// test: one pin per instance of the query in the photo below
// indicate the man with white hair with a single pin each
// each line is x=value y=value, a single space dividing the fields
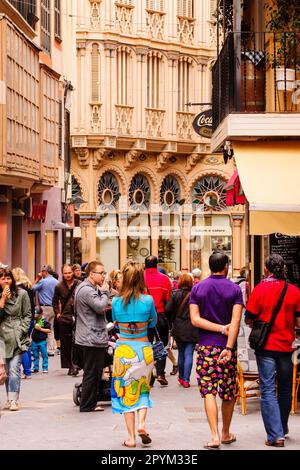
x=196 y=275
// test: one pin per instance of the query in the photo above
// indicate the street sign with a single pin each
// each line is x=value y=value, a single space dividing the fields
x=203 y=124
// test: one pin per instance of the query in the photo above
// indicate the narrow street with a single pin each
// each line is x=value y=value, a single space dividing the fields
x=48 y=418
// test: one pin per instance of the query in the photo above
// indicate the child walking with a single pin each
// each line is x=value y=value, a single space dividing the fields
x=39 y=341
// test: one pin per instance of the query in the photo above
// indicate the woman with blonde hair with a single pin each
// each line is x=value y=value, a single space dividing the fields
x=134 y=312
x=23 y=282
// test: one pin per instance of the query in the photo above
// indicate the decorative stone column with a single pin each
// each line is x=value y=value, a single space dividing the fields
x=81 y=49
x=236 y=243
x=110 y=76
x=186 y=226
x=154 y=225
x=141 y=102
x=85 y=241
x=123 y=222
x=172 y=97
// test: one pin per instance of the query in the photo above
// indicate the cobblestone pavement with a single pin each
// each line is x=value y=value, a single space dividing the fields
x=48 y=419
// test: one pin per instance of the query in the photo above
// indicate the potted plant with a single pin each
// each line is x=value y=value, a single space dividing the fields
x=284 y=22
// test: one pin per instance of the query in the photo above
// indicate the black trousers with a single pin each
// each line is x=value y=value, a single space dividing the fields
x=66 y=345
x=162 y=326
x=93 y=363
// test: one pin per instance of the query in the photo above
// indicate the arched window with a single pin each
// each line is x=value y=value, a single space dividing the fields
x=169 y=192
x=155 y=5
x=139 y=192
x=95 y=74
x=108 y=191
x=123 y=76
x=154 y=73
x=209 y=193
x=184 y=82
x=185 y=8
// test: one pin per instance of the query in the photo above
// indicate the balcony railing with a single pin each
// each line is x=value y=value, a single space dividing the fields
x=256 y=73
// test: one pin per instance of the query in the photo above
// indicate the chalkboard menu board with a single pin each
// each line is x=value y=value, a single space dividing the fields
x=289 y=249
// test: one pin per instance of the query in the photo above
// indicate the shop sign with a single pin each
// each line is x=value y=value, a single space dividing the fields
x=203 y=124
x=169 y=232
x=211 y=231
x=138 y=231
x=107 y=232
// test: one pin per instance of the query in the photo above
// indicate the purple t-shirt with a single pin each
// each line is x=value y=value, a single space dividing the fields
x=215 y=298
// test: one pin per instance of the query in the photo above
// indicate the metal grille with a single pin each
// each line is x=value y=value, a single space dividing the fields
x=108 y=190
x=169 y=192
x=139 y=192
x=252 y=65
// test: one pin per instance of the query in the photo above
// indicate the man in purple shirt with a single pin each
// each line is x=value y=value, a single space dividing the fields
x=216 y=309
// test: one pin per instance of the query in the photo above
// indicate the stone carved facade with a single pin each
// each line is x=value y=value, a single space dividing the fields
x=138 y=127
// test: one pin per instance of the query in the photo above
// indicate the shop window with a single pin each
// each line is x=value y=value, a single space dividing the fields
x=209 y=233
x=46 y=25
x=138 y=238
x=169 y=245
x=107 y=241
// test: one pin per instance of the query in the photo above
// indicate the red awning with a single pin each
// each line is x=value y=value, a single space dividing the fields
x=234 y=191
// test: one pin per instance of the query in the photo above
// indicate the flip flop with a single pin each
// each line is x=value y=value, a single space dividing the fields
x=211 y=446
x=146 y=439
x=231 y=440
x=130 y=446
x=98 y=408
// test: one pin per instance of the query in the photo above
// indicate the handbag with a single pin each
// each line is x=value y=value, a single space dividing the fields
x=261 y=329
x=159 y=351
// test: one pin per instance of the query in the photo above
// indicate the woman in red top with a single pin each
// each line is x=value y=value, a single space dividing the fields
x=275 y=359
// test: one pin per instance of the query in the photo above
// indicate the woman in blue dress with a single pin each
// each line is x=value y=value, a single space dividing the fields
x=134 y=313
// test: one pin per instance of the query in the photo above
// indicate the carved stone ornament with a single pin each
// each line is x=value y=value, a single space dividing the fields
x=192 y=161
x=131 y=158
x=100 y=155
x=163 y=160
x=83 y=156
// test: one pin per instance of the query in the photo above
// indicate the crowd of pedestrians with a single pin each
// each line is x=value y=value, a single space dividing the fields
x=70 y=316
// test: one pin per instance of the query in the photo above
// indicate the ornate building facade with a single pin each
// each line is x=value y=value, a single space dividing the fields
x=149 y=182
x=31 y=134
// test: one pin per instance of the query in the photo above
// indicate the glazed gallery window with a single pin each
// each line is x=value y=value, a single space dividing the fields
x=184 y=82
x=22 y=100
x=46 y=25
x=50 y=119
x=185 y=8
x=57 y=18
x=154 y=75
x=95 y=75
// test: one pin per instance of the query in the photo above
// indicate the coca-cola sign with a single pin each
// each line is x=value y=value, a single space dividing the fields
x=203 y=124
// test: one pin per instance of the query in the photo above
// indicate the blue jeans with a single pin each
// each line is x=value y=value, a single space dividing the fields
x=26 y=362
x=36 y=349
x=275 y=408
x=185 y=359
x=13 y=381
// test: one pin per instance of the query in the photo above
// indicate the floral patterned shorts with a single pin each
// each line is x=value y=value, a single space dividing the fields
x=216 y=378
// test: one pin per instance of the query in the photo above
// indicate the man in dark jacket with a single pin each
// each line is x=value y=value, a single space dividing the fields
x=63 y=306
x=160 y=288
x=91 y=337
